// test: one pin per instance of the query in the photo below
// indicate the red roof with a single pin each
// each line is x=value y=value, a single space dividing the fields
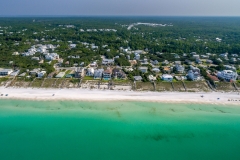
x=214 y=78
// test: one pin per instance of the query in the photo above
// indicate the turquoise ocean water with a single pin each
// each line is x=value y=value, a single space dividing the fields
x=68 y=130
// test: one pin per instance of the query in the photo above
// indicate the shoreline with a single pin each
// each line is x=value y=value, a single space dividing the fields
x=110 y=95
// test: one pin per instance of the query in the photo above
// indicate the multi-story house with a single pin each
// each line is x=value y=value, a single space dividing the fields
x=79 y=72
x=98 y=73
x=118 y=74
x=227 y=75
x=107 y=74
x=194 y=73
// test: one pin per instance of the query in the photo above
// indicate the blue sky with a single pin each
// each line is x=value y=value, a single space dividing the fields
x=121 y=7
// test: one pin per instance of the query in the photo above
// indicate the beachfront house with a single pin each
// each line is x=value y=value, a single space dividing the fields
x=5 y=72
x=194 y=73
x=90 y=72
x=98 y=73
x=137 y=78
x=213 y=77
x=14 y=73
x=167 y=77
x=152 y=78
x=79 y=72
x=107 y=74
x=117 y=73
x=50 y=75
x=34 y=72
x=41 y=74
x=227 y=75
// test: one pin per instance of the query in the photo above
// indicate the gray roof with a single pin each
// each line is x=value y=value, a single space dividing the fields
x=137 y=78
x=5 y=70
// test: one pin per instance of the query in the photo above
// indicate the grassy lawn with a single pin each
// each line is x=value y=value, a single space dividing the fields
x=122 y=82
x=37 y=83
x=238 y=85
x=224 y=86
x=74 y=81
x=88 y=78
x=3 y=80
x=163 y=86
x=49 y=82
x=196 y=86
x=178 y=86
x=59 y=83
x=21 y=82
x=146 y=86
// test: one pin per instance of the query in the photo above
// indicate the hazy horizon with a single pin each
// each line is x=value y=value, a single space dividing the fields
x=215 y=8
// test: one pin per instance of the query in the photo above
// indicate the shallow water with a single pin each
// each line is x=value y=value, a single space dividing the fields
x=117 y=130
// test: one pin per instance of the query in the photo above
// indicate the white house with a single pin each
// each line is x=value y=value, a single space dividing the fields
x=72 y=46
x=107 y=62
x=90 y=72
x=15 y=54
x=228 y=75
x=230 y=67
x=14 y=73
x=167 y=77
x=41 y=74
x=60 y=75
x=143 y=69
x=94 y=64
x=155 y=62
x=224 y=55
x=194 y=73
x=98 y=73
x=42 y=49
x=35 y=58
x=144 y=62
x=5 y=72
x=196 y=56
x=179 y=68
x=165 y=62
x=137 y=56
x=156 y=70
x=51 y=56
x=152 y=78
x=137 y=78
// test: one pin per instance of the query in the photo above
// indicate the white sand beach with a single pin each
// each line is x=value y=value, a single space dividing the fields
x=109 y=95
